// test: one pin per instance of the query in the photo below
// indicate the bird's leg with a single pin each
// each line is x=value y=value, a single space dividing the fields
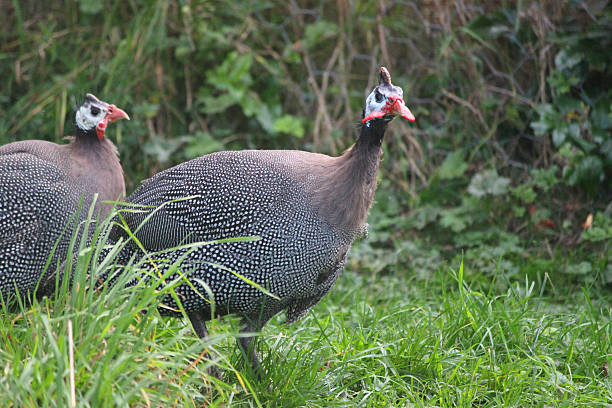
x=199 y=326
x=247 y=346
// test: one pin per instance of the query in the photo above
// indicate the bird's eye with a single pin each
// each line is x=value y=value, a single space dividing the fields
x=95 y=110
x=378 y=96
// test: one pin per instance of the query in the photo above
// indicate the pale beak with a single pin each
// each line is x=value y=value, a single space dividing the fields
x=114 y=114
x=399 y=108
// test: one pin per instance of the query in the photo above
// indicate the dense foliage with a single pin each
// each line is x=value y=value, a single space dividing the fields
x=511 y=153
x=507 y=170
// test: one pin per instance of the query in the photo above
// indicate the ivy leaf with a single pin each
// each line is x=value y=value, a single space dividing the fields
x=601 y=116
x=565 y=59
x=559 y=134
x=589 y=170
x=546 y=119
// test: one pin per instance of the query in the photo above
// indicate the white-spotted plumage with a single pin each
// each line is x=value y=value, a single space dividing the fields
x=307 y=209
x=41 y=188
x=238 y=194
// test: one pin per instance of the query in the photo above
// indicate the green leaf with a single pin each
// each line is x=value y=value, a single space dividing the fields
x=162 y=148
x=290 y=125
x=250 y=104
x=583 y=268
x=525 y=193
x=212 y=104
x=147 y=110
x=455 y=219
x=202 y=143
x=546 y=119
x=540 y=127
x=601 y=116
x=607 y=275
x=518 y=211
x=606 y=150
x=588 y=170
x=233 y=74
x=423 y=216
x=453 y=165
x=91 y=6
x=545 y=179
x=562 y=82
x=601 y=230
x=559 y=134
x=264 y=117
x=488 y=182
x=317 y=32
x=566 y=59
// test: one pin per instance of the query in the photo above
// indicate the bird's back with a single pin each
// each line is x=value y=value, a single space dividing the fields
x=239 y=194
x=35 y=207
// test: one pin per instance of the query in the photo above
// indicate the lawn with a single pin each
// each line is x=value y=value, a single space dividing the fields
x=450 y=337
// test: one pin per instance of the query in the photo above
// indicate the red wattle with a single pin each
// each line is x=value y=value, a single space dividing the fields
x=402 y=110
x=101 y=128
x=373 y=115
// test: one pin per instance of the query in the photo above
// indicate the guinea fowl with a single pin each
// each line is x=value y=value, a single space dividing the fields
x=42 y=187
x=307 y=209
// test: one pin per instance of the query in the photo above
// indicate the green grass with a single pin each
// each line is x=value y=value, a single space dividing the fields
x=401 y=339
x=525 y=322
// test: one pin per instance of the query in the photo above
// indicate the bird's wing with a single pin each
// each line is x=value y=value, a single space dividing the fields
x=33 y=188
x=215 y=196
x=30 y=190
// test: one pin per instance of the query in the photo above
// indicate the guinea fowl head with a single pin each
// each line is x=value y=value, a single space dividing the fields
x=385 y=101
x=94 y=115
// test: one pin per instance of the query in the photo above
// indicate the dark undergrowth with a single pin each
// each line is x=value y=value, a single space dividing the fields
x=506 y=171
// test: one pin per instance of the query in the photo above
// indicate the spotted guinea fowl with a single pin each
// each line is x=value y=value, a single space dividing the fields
x=307 y=209
x=41 y=188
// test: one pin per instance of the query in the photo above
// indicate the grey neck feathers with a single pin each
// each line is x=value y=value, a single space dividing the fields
x=95 y=164
x=347 y=191
x=85 y=135
x=86 y=143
